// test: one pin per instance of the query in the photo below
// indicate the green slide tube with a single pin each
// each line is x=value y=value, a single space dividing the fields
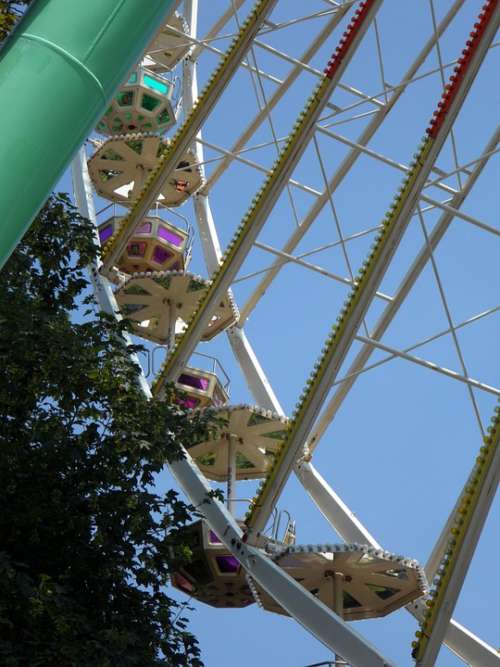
x=58 y=72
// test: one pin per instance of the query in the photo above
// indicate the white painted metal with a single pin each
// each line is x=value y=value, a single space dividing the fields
x=402 y=292
x=102 y=289
x=467 y=646
x=194 y=331
x=346 y=164
x=276 y=97
x=313 y=267
x=308 y=417
x=231 y=474
x=442 y=541
x=252 y=371
x=428 y=364
x=254 y=374
x=148 y=200
x=299 y=603
x=306 y=609
x=461 y=567
x=335 y=511
x=216 y=28
x=324 y=624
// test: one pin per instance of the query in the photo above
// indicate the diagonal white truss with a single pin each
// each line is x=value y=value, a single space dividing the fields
x=306 y=610
x=464 y=643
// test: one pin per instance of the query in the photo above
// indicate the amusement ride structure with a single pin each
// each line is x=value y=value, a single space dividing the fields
x=162 y=191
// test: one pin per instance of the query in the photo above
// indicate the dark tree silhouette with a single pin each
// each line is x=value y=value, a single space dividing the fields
x=86 y=541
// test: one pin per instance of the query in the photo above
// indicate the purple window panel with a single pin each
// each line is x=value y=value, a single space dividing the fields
x=144 y=229
x=193 y=381
x=212 y=538
x=105 y=233
x=160 y=255
x=168 y=235
x=227 y=564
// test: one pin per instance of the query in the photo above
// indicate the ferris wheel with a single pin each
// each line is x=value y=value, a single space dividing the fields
x=245 y=226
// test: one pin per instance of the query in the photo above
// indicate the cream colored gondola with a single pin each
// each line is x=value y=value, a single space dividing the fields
x=156 y=302
x=249 y=434
x=200 y=389
x=213 y=575
x=121 y=166
x=169 y=47
x=156 y=245
x=142 y=104
x=355 y=581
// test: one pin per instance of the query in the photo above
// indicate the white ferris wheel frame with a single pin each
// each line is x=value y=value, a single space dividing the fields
x=320 y=621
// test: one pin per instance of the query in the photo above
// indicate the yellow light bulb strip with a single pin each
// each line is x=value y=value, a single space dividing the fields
x=272 y=186
x=246 y=225
x=434 y=133
x=339 y=327
x=465 y=514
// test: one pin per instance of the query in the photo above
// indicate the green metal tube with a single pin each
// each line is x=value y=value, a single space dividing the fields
x=58 y=72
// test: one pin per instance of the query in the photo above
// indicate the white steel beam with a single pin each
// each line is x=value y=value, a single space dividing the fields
x=461 y=215
x=219 y=516
x=253 y=372
x=316 y=617
x=332 y=507
x=460 y=640
x=260 y=208
x=467 y=646
x=314 y=267
x=346 y=164
x=308 y=253
x=414 y=79
x=200 y=44
x=378 y=156
x=82 y=188
x=438 y=204
x=324 y=624
x=442 y=542
x=402 y=354
x=364 y=97
x=275 y=98
x=339 y=344
x=462 y=564
x=456 y=633
x=308 y=17
x=402 y=292
x=185 y=135
x=420 y=343
x=441 y=545
x=214 y=31
x=255 y=165
x=340 y=517
x=301 y=605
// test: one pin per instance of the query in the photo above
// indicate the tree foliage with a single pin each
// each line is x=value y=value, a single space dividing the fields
x=86 y=541
x=10 y=13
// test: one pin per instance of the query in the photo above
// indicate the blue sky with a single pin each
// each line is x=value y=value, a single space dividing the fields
x=405 y=438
